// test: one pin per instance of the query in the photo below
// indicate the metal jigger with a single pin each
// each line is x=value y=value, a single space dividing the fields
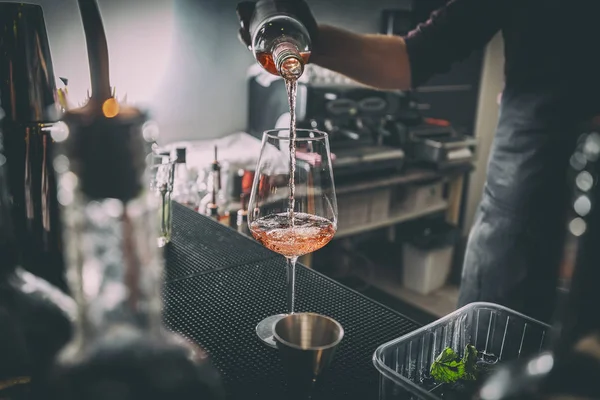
x=307 y=343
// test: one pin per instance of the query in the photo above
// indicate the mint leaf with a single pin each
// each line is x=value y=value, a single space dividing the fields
x=447 y=367
x=470 y=362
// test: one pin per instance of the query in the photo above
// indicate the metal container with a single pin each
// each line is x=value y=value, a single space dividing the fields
x=442 y=146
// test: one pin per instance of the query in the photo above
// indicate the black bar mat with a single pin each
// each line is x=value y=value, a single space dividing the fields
x=200 y=244
x=220 y=310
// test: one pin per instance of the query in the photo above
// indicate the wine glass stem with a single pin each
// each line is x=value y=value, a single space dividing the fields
x=291 y=282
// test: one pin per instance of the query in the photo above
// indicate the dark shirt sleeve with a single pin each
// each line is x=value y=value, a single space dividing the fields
x=451 y=34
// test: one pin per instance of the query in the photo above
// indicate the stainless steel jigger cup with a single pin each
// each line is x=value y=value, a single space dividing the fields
x=307 y=343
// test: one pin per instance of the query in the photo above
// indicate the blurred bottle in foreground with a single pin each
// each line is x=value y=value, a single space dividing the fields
x=120 y=349
x=35 y=317
x=115 y=270
x=280 y=42
x=570 y=369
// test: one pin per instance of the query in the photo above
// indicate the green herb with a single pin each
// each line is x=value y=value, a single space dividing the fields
x=448 y=367
x=470 y=362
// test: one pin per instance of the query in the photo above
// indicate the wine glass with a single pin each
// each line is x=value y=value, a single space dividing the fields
x=292 y=220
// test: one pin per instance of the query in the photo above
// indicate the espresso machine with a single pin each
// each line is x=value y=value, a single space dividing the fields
x=351 y=114
x=29 y=109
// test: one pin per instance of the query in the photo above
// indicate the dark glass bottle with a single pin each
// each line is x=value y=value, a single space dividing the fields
x=280 y=42
x=27 y=99
x=35 y=317
x=571 y=366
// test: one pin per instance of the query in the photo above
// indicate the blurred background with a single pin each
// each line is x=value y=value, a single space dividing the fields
x=182 y=60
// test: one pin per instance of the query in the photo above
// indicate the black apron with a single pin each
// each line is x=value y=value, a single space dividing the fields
x=552 y=85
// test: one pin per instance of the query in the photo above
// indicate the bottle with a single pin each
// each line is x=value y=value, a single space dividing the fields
x=35 y=317
x=115 y=271
x=184 y=190
x=28 y=97
x=216 y=204
x=120 y=349
x=571 y=366
x=280 y=43
x=235 y=193
x=242 y=217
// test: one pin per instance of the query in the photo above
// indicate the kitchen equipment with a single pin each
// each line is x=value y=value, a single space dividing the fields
x=351 y=115
x=498 y=333
x=441 y=146
x=28 y=103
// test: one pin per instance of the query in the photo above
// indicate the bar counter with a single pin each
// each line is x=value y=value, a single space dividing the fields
x=220 y=284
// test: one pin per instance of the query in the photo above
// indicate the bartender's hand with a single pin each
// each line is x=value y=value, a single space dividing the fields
x=299 y=8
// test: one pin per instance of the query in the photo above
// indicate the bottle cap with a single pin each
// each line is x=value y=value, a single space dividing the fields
x=181 y=154
x=107 y=154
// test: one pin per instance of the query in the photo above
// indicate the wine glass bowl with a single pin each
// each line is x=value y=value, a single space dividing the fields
x=292 y=220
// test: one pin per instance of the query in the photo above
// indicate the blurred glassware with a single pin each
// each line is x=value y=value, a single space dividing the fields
x=161 y=173
x=185 y=190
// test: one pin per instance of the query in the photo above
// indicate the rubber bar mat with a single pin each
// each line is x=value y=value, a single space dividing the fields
x=220 y=310
x=200 y=244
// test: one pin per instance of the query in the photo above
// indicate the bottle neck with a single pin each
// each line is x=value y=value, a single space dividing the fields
x=288 y=60
x=242 y=222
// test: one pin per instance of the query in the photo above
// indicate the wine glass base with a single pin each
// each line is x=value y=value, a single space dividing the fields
x=264 y=329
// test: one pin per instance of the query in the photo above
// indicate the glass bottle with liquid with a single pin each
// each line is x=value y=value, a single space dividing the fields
x=242 y=217
x=115 y=270
x=280 y=42
x=569 y=369
x=184 y=183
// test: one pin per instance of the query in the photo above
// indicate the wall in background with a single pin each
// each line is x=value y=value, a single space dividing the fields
x=181 y=58
x=140 y=36
x=492 y=84
x=210 y=76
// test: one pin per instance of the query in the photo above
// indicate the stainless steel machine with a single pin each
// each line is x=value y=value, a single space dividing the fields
x=371 y=131
x=351 y=114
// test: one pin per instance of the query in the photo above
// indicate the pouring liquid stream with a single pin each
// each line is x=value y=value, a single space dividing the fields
x=291 y=85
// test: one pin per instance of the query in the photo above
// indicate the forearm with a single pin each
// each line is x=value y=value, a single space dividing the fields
x=374 y=60
x=391 y=62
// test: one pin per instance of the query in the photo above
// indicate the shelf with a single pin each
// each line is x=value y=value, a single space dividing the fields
x=411 y=175
x=391 y=221
x=439 y=303
x=389 y=281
